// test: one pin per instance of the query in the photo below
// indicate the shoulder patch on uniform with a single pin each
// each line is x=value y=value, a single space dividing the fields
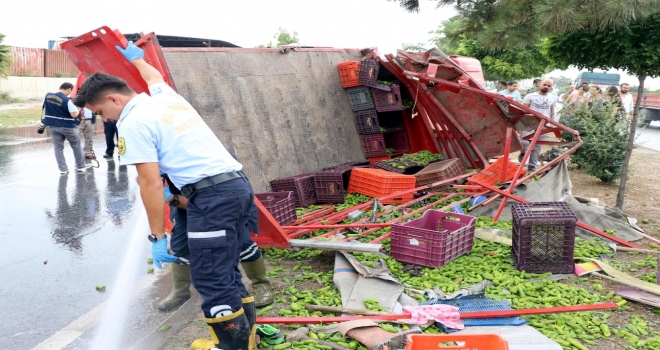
x=121 y=145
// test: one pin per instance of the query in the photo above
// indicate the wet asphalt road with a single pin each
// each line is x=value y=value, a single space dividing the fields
x=60 y=236
x=649 y=136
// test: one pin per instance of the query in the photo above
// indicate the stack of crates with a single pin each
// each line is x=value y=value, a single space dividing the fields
x=379 y=183
x=367 y=98
x=331 y=183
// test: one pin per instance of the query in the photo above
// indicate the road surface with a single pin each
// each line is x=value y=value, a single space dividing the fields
x=649 y=136
x=60 y=237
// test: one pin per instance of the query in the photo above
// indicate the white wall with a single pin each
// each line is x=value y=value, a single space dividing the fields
x=31 y=88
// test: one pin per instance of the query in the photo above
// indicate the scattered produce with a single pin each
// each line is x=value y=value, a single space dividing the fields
x=150 y=270
x=150 y=260
x=100 y=288
x=165 y=327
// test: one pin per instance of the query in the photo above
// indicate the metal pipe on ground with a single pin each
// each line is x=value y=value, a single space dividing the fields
x=353 y=246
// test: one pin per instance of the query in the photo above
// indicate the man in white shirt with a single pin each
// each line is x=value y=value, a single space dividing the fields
x=626 y=99
x=543 y=102
x=511 y=91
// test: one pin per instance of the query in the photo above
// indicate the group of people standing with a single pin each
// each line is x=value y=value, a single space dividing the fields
x=593 y=96
x=70 y=123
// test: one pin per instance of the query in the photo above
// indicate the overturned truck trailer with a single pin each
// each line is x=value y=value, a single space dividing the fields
x=284 y=112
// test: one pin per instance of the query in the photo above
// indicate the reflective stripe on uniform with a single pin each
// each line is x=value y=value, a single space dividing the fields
x=210 y=234
x=249 y=251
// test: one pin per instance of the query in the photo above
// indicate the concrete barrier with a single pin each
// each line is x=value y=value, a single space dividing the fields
x=31 y=88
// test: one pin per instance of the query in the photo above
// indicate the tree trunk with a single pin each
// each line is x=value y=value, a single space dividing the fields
x=631 y=140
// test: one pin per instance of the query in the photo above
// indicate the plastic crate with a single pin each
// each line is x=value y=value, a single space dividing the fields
x=543 y=237
x=477 y=303
x=348 y=73
x=387 y=101
x=331 y=184
x=390 y=120
x=373 y=161
x=360 y=98
x=379 y=183
x=281 y=205
x=397 y=140
x=439 y=171
x=369 y=72
x=433 y=240
x=373 y=145
x=409 y=167
x=492 y=174
x=467 y=341
x=302 y=187
x=367 y=122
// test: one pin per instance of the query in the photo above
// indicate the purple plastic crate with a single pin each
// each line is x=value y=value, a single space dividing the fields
x=281 y=205
x=433 y=240
x=366 y=122
x=368 y=75
x=373 y=145
x=387 y=101
x=302 y=187
x=397 y=140
x=543 y=237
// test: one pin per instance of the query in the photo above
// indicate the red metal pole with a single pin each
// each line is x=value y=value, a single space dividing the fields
x=580 y=224
x=521 y=166
x=507 y=150
x=477 y=314
x=353 y=225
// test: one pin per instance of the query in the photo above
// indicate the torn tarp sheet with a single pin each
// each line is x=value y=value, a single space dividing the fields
x=556 y=186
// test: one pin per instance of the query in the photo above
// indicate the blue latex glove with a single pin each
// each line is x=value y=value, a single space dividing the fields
x=166 y=191
x=131 y=52
x=159 y=253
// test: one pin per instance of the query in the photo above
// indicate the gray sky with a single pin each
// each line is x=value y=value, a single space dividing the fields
x=247 y=23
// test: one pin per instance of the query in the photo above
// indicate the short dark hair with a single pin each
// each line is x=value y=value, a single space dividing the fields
x=502 y=82
x=622 y=84
x=585 y=83
x=95 y=87
x=511 y=83
x=66 y=86
x=613 y=90
x=536 y=81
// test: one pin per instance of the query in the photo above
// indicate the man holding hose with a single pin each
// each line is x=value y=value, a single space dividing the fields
x=164 y=132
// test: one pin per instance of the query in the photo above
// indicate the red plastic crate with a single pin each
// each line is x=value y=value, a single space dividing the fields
x=387 y=101
x=366 y=122
x=373 y=145
x=433 y=240
x=467 y=341
x=374 y=160
x=348 y=73
x=442 y=170
x=543 y=237
x=379 y=183
x=493 y=173
x=369 y=72
x=302 y=187
x=281 y=205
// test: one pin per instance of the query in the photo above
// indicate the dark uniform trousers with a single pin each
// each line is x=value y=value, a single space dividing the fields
x=217 y=217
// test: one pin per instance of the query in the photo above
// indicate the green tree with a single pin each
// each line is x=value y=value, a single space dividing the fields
x=504 y=24
x=452 y=37
x=285 y=38
x=635 y=49
x=5 y=57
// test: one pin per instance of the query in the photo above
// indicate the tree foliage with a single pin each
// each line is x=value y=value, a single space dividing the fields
x=635 y=49
x=285 y=38
x=453 y=38
x=5 y=57
x=503 y=24
x=605 y=137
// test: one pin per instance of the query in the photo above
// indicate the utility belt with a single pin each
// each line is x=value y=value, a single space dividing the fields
x=188 y=190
